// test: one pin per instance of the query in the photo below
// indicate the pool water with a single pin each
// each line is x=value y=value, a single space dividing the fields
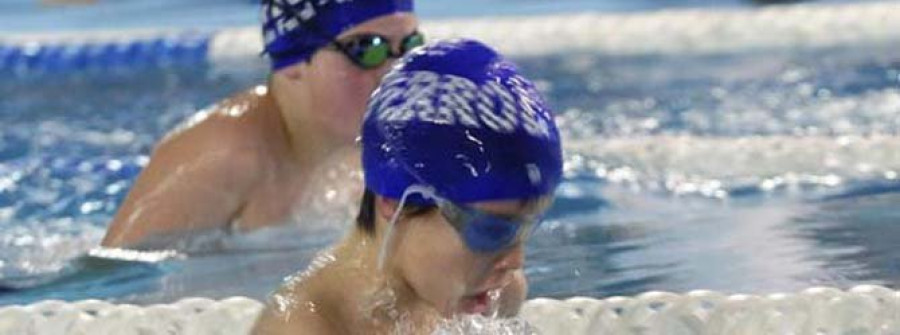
x=31 y=16
x=751 y=172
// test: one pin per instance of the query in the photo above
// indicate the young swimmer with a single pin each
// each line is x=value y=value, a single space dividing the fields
x=251 y=158
x=461 y=157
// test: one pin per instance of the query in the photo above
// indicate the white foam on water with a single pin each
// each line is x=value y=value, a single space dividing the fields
x=694 y=31
x=863 y=309
x=481 y=325
x=711 y=166
x=664 y=32
x=681 y=162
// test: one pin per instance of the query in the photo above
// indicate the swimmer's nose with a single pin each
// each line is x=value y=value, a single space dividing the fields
x=511 y=259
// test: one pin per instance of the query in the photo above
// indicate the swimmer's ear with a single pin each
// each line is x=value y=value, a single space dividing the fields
x=385 y=208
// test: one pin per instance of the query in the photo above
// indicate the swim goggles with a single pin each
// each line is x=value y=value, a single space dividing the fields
x=369 y=51
x=482 y=232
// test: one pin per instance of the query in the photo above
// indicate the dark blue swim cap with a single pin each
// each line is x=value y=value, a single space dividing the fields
x=293 y=30
x=458 y=117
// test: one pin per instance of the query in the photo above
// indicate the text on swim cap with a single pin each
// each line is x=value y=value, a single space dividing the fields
x=453 y=100
x=302 y=12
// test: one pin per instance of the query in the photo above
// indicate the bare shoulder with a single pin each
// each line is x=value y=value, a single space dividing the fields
x=296 y=308
x=237 y=124
x=222 y=147
x=198 y=177
x=300 y=321
x=233 y=136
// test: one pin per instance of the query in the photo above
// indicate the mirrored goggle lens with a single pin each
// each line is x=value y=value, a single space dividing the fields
x=371 y=51
x=412 y=41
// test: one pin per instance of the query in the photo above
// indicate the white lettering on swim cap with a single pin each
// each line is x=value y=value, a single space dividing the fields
x=419 y=95
x=459 y=92
x=422 y=94
x=275 y=11
x=505 y=120
x=325 y=2
x=534 y=173
x=450 y=100
x=484 y=103
x=308 y=12
x=387 y=94
x=289 y=15
x=532 y=122
x=292 y=24
x=404 y=97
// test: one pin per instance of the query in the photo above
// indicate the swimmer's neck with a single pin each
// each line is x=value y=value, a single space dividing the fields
x=361 y=249
x=308 y=142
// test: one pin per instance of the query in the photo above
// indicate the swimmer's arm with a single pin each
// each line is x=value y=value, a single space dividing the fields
x=298 y=321
x=196 y=180
x=513 y=295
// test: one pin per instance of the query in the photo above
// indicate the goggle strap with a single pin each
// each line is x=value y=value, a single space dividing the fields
x=426 y=192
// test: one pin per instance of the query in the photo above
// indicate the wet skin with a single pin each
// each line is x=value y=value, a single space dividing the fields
x=251 y=160
x=430 y=275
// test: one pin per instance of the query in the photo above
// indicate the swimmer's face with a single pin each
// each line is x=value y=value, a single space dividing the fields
x=341 y=88
x=442 y=270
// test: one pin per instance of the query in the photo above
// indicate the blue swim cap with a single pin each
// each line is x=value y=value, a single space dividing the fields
x=458 y=117
x=293 y=30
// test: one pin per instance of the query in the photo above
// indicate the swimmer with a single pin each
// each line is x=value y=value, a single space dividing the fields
x=247 y=161
x=461 y=158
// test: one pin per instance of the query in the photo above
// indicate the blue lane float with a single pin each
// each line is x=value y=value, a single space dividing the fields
x=668 y=32
x=863 y=309
x=60 y=56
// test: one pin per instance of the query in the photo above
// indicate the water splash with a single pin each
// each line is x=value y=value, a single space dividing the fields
x=720 y=167
x=483 y=325
x=287 y=301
